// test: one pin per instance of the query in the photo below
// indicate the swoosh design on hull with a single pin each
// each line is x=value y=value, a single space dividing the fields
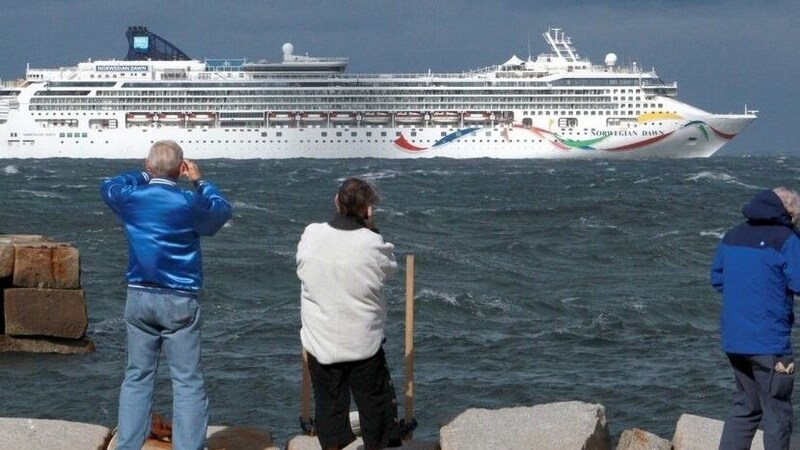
x=566 y=144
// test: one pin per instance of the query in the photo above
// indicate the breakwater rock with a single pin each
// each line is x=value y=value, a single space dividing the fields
x=42 y=306
x=555 y=426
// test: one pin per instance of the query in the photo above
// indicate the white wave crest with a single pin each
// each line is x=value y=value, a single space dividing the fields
x=42 y=194
x=10 y=170
x=720 y=176
x=245 y=205
x=716 y=234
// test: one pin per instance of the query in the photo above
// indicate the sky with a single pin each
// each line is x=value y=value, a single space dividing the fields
x=724 y=55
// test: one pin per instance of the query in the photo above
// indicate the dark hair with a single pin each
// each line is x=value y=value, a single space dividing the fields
x=355 y=195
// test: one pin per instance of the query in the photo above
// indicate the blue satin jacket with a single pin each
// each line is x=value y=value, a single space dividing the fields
x=757 y=270
x=163 y=224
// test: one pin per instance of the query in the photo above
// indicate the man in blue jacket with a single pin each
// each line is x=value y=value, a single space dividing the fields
x=163 y=225
x=757 y=270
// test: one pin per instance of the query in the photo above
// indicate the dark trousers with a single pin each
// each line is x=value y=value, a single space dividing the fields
x=371 y=385
x=763 y=396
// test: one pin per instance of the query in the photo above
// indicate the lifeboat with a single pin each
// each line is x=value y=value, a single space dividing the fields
x=313 y=117
x=342 y=117
x=281 y=117
x=376 y=117
x=139 y=117
x=201 y=117
x=171 y=118
x=405 y=117
x=476 y=117
x=445 y=117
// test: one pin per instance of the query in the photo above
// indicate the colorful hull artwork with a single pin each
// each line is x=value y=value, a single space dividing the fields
x=565 y=144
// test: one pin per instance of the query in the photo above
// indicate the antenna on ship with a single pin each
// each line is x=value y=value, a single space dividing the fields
x=529 y=45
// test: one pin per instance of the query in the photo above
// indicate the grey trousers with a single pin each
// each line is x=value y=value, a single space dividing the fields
x=763 y=397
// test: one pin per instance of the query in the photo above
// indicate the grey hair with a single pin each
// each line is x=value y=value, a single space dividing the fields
x=165 y=158
x=790 y=200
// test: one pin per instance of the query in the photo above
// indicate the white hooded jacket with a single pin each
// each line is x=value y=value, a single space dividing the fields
x=342 y=266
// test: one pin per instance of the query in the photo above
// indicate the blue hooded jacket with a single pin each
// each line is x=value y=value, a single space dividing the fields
x=757 y=270
x=163 y=224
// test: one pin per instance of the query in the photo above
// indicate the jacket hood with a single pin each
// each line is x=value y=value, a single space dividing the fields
x=767 y=207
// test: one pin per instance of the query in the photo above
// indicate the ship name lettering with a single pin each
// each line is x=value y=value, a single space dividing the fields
x=125 y=68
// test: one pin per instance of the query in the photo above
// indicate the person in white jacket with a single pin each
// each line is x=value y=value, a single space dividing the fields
x=342 y=265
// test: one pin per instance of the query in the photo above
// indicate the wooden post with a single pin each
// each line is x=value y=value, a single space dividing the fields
x=305 y=392
x=409 y=354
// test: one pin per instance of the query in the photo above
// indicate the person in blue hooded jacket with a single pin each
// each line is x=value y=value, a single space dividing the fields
x=757 y=270
x=163 y=224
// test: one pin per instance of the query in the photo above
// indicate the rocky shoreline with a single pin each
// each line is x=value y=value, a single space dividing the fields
x=563 y=425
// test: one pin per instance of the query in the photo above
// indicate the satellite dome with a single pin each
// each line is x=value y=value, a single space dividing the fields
x=288 y=49
x=611 y=59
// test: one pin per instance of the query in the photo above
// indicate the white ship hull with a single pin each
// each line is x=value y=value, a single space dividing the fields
x=514 y=141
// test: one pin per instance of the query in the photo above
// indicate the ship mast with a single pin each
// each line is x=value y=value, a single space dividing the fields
x=561 y=44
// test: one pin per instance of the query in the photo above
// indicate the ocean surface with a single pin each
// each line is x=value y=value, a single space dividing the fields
x=536 y=282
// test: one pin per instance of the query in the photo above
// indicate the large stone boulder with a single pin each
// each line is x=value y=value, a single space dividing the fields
x=701 y=433
x=565 y=425
x=304 y=442
x=38 y=434
x=7 y=242
x=45 y=312
x=46 y=265
x=637 y=439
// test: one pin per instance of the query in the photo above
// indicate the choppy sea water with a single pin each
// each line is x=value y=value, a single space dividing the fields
x=536 y=282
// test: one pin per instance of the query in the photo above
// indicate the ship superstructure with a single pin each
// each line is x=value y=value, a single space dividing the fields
x=557 y=105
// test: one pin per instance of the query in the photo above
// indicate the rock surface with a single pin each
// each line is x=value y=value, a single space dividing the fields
x=45 y=312
x=564 y=425
x=46 y=265
x=45 y=345
x=637 y=439
x=304 y=442
x=220 y=438
x=701 y=433
x=38 y=434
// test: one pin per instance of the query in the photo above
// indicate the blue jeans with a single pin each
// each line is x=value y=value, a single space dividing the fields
x=155 y=318
x=763 y=396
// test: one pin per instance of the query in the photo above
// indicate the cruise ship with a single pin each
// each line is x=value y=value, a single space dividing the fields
x=556 y=105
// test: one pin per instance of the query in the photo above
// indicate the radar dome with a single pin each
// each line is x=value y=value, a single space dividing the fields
x=288 y=49
x=611 y=59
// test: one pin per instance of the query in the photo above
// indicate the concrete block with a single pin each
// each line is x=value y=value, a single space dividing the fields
x=556 y=425
x=38 y=434
x=45 y=312
x=637 y=439
x=46 y=265
x=6 y=259
x=304 y=442
x=701 y=433
x=62 y=346
x=7 y=242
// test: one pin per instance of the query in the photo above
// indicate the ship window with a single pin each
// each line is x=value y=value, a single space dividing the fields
x=444 y=133
x=263 y=134
x=324 y=134
x=369 y=133
x=279 y=134
x=338 y=134
x=383 y=133
x=353 y=133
